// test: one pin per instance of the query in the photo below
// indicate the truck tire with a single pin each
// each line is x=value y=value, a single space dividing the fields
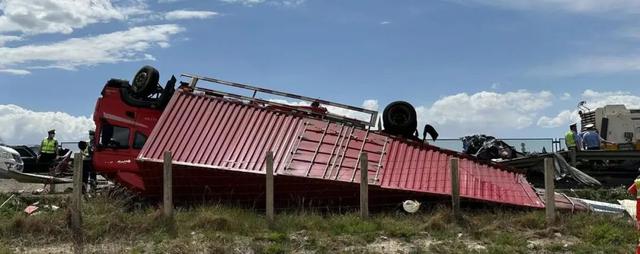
x=145 y=81
x=399 y=118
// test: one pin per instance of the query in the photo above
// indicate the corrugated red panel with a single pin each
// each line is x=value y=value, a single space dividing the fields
x=217 y=133
x=206 y=131
x=427 y=169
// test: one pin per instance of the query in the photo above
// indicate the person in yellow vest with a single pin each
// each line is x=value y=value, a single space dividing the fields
x=48 y=150
x=572 y=139
x=88 y=174
x=633 y=190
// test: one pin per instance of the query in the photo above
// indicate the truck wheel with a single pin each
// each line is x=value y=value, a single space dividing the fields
x=145 y=81
x=399 y=118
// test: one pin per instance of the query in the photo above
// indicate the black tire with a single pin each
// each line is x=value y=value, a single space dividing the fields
x=399 y=118
x=145 y=81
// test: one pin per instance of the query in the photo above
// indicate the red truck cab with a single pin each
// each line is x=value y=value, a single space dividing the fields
x=124 y=117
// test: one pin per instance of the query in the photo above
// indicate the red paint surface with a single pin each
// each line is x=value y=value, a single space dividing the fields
x=210 y=136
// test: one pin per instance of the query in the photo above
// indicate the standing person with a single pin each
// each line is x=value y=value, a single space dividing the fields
x=592 y=139
x=633 y=190
x=88 y=174
x=89 y=159
x=572 y=139
x=48 y=150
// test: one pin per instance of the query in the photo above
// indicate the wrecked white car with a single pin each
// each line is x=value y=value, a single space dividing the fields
x=9 y=160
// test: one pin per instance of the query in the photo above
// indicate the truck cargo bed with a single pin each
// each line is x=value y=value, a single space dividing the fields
x=219 y=148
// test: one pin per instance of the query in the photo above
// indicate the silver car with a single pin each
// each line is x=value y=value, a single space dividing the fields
x=9 y=159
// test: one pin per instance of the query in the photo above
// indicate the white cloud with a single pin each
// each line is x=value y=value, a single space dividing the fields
x=186 y=14
x=370 y=104
x=121 y=46
x=563 y=118
x=8 y=38
x=244 y=2
x=284 y=3
x=62 y=16
x=565 y=97
x=594 y=100
x=15 y=71
x=289 y=2
x=484 y=112
x=573 y=6
x=23 y=126
x=386 y=22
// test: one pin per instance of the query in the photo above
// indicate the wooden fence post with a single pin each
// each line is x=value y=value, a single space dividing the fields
x=455 y=188
x=364 y=185
x=269 y=186
x=168 y=185
x=76 y=199
x=549 y=190
x=53 y=188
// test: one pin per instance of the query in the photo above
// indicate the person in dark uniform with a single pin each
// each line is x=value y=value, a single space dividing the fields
x=48 y=151
x=88 y=173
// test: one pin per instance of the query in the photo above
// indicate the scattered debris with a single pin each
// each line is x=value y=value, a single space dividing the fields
x=31 y=209
x=564 y=169
x=603 y=207
x=629 y=206
x=488 y=148
x=36 y=178
x=8 y=199
x=38 y=191
x=36 y=208
x=411 y=206
x=564 y=172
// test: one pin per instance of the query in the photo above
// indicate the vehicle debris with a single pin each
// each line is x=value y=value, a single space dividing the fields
x=629 y=206
x=565 y=174
x=488 y=148
x=37 y=178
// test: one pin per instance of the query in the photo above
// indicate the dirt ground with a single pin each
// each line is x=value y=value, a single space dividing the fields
x=13 y=186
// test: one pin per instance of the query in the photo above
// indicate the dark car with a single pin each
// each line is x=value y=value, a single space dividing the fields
x=29 y=157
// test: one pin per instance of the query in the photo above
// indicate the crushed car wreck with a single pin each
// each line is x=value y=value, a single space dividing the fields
x=489 y=148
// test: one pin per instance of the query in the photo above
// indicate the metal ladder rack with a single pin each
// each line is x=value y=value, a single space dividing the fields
x=373 y=115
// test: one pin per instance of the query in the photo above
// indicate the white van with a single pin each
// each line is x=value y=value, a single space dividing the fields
x=9 y=159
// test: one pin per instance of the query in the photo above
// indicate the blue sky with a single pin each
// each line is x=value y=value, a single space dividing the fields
x=505 y=68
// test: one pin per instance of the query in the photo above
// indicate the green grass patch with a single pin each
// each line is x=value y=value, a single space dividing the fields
x=218 y=228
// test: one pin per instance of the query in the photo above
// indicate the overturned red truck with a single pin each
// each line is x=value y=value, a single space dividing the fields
x=219 y=141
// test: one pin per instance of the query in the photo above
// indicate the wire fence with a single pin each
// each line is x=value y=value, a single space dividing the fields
x=525 y=145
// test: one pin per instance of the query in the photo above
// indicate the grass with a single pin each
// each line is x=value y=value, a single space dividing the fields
x=214 y=228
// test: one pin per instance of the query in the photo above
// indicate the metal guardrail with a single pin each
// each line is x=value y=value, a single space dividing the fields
x=373 y=115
